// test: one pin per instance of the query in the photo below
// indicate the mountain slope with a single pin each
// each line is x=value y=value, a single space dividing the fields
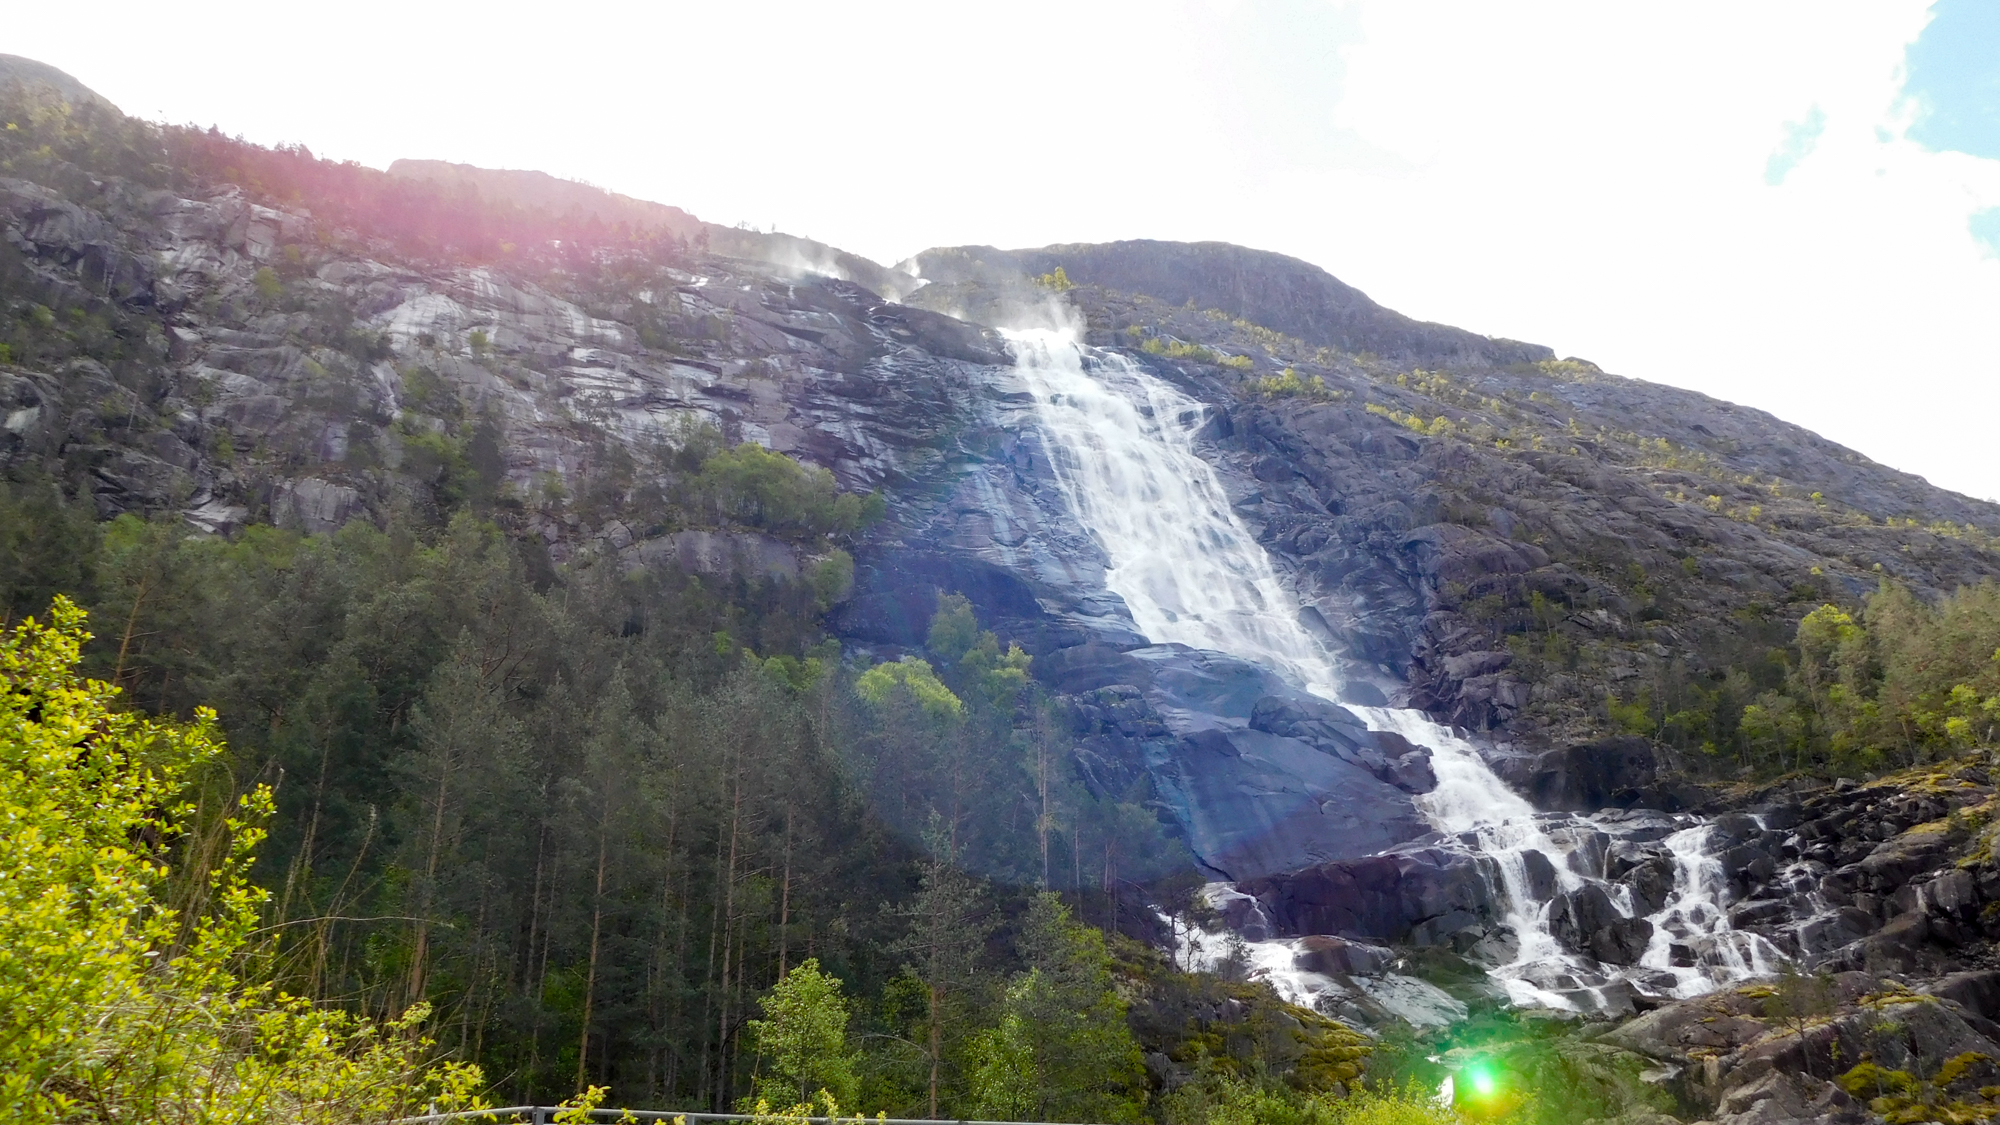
x=491 y=416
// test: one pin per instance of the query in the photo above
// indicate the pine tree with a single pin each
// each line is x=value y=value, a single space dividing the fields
x=948 y=926
x=1062 y=1051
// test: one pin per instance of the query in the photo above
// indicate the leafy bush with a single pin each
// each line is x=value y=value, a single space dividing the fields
x=1170 y=348
x=803 y=1035
x=878 y=684
x=759 y=488
x=1287 y=384
x=125 y=921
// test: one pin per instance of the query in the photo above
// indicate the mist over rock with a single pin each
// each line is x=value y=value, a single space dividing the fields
x=1274 y=290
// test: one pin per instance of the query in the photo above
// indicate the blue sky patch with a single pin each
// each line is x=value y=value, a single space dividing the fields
x=1954 y=76
x=1798 y=142
x=1986 y=229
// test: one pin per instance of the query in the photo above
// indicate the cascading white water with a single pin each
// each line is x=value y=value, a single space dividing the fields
x=1189 y=571
x=1122 y=449
x=1695 y=914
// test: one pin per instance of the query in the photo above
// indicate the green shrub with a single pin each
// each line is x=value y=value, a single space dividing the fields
x=266 y=282
x=124 y=922
x=759 y=488
x=1288 y=384
x=1167 y=347
x=915 y=676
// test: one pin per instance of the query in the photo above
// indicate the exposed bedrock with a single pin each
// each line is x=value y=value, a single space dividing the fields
x=1757 y=1056
x=1257 y=775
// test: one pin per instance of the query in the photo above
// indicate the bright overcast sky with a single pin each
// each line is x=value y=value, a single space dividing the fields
x=1790 y=205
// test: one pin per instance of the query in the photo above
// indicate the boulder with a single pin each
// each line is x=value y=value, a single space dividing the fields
x=1319 y=953
x=1651 y=882
x=1588 y=922
x=1612 y=772
x=1335 y=730
x=1414 y=893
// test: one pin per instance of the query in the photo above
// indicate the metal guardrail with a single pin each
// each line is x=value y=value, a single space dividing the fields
x=543 y=1114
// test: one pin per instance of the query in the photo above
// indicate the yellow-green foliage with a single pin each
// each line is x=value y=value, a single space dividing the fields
x=1569 y=370
x=1902 y=683
x=802 y=1041
x=1058 y=281
x=1901 y=1098
x=760 y=488
x=125 y=929
x=1288 y=384
x=1434 y=428
x=1177 y=349
x=1241 y=1101
x=825 y=1106
x=878 y=684
x=1410 y=1105
x=956 y=638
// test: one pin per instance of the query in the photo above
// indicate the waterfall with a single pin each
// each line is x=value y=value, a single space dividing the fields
x=1122 y=447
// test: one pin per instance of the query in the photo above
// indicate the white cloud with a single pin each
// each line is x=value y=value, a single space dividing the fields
x=1593 y=177
x=1586 y=175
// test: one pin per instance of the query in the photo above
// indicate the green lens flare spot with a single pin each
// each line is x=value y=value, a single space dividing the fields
x=1482 y=1081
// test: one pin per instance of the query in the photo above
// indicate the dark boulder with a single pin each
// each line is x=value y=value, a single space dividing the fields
x=1320 y=953
x=1651 y=882
x=1422 y=895
x=1977 y=991
x=1612 y=772
x=1335 y=730
x=1586 y=921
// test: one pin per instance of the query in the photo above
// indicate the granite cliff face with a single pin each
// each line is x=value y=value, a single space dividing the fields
x=1497 y=537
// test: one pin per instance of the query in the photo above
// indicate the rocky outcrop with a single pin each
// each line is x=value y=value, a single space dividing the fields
x=1852 y=1047
x=1586 y=922
x=1416 y=895
x=1606 y=773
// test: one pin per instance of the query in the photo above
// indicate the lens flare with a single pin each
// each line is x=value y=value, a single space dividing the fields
x=1482 y=1080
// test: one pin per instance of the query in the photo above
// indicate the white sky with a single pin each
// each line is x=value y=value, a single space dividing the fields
x=1595 y=177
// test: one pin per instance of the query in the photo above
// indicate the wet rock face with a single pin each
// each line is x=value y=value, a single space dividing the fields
x=1336 y=731
x=1260 y=776
x=1335 y=956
